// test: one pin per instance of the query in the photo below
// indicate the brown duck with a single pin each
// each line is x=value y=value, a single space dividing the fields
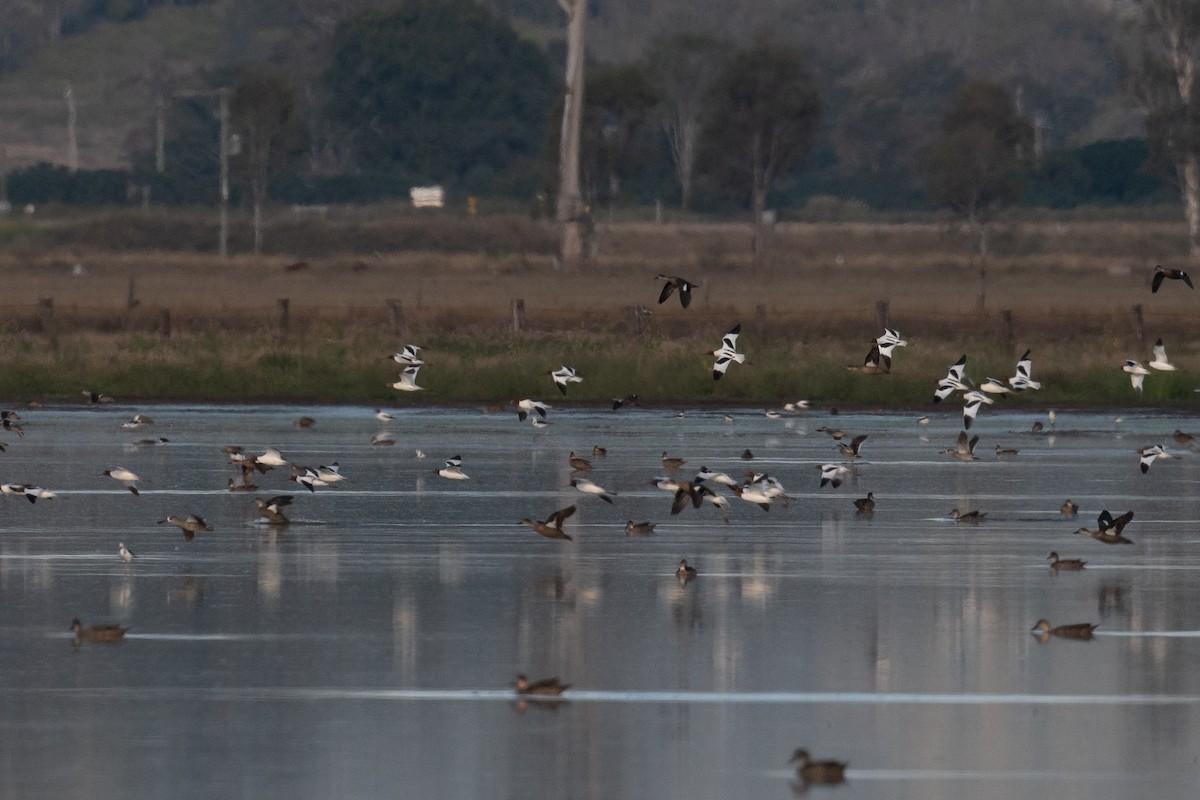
x=1110 y=528
x=552 y=527
x=552 y=687
x=1069 y=564
x=190 y=526
x=1078 y=630
x=1161 y=273
x=809 y=771
x=97 y=633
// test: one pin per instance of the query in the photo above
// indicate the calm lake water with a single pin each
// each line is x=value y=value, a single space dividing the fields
x=368 y=649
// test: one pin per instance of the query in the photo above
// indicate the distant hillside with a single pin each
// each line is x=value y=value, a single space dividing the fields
x=115 y=70
x=885 y=66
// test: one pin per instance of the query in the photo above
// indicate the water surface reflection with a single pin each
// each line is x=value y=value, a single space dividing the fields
x=371 y=644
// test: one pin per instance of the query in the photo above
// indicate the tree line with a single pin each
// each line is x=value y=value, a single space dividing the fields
x=444 y=91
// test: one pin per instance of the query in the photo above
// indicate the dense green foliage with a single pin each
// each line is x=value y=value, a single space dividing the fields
x=439 y=92
x=974 y=167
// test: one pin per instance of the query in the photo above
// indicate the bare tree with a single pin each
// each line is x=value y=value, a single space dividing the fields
x=1163 y=77
x=262 y=107
x=570 y=201
x=762 y=122
x=683 y=69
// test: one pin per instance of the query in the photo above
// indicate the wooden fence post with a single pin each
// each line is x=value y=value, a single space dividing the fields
x=164 y=323
x=882 y=314
x=1139 y=328
x=518 y=315
x=131 y=300
x=760 y=316
x=1009 y=340
x=635 y=320
x=281 y=306
x=46 y=314
x=399 y=325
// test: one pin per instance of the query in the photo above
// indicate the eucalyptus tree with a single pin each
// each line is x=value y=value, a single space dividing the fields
x=763 y=113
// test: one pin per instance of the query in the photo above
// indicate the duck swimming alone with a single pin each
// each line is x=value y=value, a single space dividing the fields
x=97 y=633
x=1077 y=630
x=809 y=771
x=547 y=686
x=1069 y=564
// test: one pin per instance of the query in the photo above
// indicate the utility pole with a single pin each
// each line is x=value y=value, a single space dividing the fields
x=570 y=200
x=160 y=133
x=72 y=139
x=223 y=151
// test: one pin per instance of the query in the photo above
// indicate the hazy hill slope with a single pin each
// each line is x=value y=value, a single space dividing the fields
x=115 y=71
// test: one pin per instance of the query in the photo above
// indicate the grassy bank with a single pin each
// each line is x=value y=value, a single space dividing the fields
x=323 y=364
x=1076 y=292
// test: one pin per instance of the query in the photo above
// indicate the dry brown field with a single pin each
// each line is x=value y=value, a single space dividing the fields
x=821 y=277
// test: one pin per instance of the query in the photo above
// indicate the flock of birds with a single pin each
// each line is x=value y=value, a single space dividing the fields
x=706 y=487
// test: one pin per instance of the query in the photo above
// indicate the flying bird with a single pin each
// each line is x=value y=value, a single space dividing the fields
x=1148 y=455
x=272 y=510
x=564 y=375
x=452 y=470
x=407 y=356
x=1137 y=374
x=955 y=381
x=972 y=401
x=964 y=448
x=190 y=526
x=832 y=474
x=675 y=282
x=408 y=380
x=124 y=476
x=1110 y=528
x=1024 y=378
x=727 y=353
x=1161 y=272
x=850 y=451
x=874 y=363
x=552 y=527
x=588 y=487
x=527 y=407
x=1160 y=361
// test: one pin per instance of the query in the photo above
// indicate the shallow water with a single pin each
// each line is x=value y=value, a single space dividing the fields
x=368 y=649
